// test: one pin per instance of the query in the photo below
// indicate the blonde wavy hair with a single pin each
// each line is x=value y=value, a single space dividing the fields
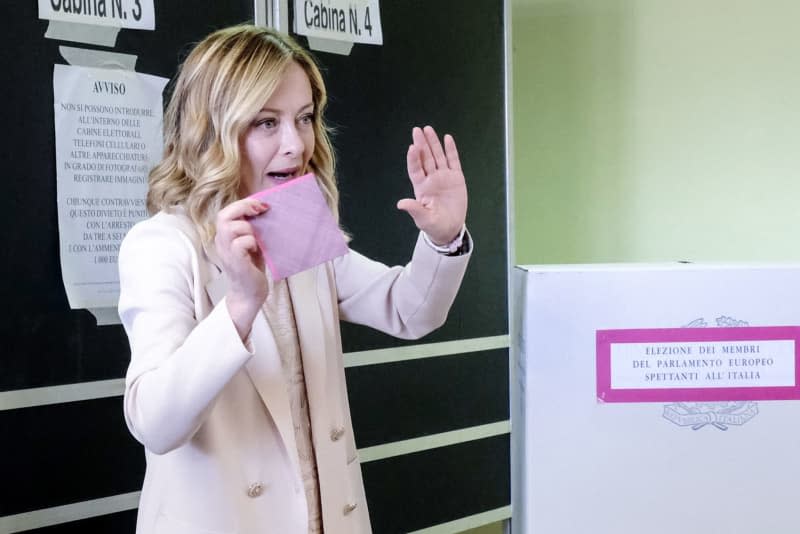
x=220 y=88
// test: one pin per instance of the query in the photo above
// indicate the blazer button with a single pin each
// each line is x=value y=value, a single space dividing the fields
x=349 y=507
x=337 y=433
x=255 y=489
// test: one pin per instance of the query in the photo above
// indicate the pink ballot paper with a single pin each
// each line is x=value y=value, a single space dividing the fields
x=298 y=230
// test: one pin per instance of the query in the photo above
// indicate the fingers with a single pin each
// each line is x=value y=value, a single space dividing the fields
x=409 y=205
x=234 y=232
x=246 y=246
x=451 y=151
x=246 y=207
x=237 y=228
x=240 y=238
x=426 y=156
x=236 y=244
x=435 y=147
x=415 y=171
x=415 y=209
x=431 y=155
x=231 y=220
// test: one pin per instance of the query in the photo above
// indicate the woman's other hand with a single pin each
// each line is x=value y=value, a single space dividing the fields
x=242 y=262
x=440 y=205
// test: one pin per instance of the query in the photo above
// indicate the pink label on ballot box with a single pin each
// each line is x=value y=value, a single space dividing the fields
x=298 y=230
x=698 y=364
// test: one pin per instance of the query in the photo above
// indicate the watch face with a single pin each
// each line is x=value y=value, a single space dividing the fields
x=461 y=245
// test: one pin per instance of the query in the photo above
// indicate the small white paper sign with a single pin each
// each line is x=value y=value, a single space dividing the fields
x=137 y=14
x=708 y=364
x=108 y=136
x=353 y=21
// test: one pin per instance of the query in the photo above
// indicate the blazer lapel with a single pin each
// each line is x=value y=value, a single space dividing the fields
x=266 y=372
x=264 y=368
x=217 y=284
x=311 y=334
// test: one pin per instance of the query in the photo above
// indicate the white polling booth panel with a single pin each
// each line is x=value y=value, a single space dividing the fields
x=656 y=399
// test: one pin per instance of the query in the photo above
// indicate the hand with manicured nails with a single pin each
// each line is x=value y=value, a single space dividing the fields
x=242 y=262
x=440 y=205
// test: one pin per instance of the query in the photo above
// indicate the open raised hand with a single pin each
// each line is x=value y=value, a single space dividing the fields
x=440 y=205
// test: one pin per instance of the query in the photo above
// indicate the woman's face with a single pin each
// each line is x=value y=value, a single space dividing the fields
x=278 y=144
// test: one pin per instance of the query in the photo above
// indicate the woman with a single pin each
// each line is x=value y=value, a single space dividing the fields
x=236 y=384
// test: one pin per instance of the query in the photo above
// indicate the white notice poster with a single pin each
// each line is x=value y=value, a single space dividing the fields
x=108 y=136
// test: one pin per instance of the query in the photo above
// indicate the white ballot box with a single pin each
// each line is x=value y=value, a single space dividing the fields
x=656 y=399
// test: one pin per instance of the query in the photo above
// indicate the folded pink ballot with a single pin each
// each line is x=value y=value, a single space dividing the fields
x=298 y=230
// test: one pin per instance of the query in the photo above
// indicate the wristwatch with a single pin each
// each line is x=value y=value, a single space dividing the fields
x=456 y=247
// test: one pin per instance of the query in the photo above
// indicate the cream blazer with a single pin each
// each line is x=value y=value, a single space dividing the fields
x=213 y=413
